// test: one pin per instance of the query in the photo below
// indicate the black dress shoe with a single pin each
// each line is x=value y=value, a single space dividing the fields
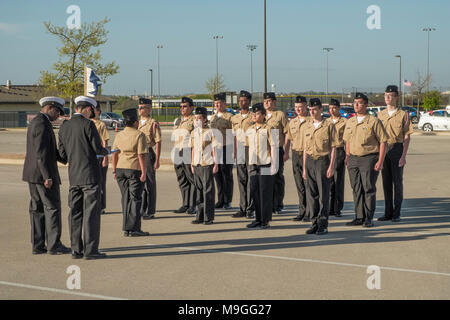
x=197 y=221
x=152 y=216
x=40 y=251
x=297 y=218
x=250 y=215
x=60 y=250
x=138 y=233
x=95 y=256
x=208 y=222
x=227 y=205
x=396 y=219
x=239 y=214
x=354 y=222
x=368 y=224
x=322 y=231
x=312 y=230
x=306 y=219
x=76 y=255
x=331 y=213
x=181 y=210
x=191 y=211
x=338 y=214
x=384 y=218
x=254 y=224
x=264 y=225
x=218 y=205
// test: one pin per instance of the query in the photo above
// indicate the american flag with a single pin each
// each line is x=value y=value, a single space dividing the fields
x=407 y=83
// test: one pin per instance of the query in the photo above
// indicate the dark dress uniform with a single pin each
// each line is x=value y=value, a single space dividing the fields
x=260 y=171
x=277 y=120
x=104 y=136
x=364 y=141
x=337 y=182
x=202 y=143
x=297 y=135
x=397 y=125
x=241 y=123
x=182 y=130
x=45 y=204
x=146 y=125
x=79 y=144
x=131 y=143
x=224 y=177
x=319 y=142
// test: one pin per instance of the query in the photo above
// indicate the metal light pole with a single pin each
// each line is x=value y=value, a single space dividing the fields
x=217 y=54
x=265 y=47
x=327 y=50
x=159 y=82
x=151 y=83
x=251 y=47
x=428 y=30
x=400 y=80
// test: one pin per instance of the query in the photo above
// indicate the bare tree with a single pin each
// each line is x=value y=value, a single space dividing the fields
x=215 y=85
x=417 y=88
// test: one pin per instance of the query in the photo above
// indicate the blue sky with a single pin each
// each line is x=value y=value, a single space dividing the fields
x=297 y=32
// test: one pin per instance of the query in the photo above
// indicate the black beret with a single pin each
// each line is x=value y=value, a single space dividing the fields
x=270 y=95
x=300 y=99
x=220 y=97
x=392 y=88
x=145 y=101
x=314 y=102
x=130 y=115
x=360 y=95
x=187 y=100
x=335 y=102
x=201 y=110
x=245 y=94
x=258 y=107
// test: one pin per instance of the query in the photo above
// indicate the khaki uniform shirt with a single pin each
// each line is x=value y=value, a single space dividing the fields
x=259 y=144
x=277 y=120
x=340 y=128
x=397 y=126
x=145 y=126
x=364 y=138
x=202 y=143
x=222 y=123
x=131 y=142
x=238 y=121
x=183 y=138
x=320 y=141
x=101 y=128
x=296 y=133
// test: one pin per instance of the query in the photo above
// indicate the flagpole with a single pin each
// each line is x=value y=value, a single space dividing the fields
x=85 y=81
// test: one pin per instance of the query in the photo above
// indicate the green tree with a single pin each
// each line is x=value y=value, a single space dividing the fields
x=79 y=49
x=215 y=85
x=431 y=100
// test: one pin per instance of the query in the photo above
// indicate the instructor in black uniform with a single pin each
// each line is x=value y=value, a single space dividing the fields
x=40 y=170
x=79 y=144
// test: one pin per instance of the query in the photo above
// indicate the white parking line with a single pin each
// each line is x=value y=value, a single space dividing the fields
x=303 y=260
x=75 y=293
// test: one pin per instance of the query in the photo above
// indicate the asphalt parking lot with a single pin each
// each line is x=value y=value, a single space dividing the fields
x=225 y=260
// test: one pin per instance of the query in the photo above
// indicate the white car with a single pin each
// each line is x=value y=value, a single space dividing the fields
x=437 y=120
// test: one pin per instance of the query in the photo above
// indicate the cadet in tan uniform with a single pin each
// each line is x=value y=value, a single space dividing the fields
x=277 y=120
x=241 y=122
x=398 y=128
x=103 y=162
x=318 y=165
x=221 y=121
x=129 y=166
x=204 y=166
x=152 y=131
x=365 y=148
x=296 y=135
x=182 y=150
x=261 y=167
x=337 y=182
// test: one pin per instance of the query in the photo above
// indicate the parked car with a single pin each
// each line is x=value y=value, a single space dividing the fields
x=347 y=112
x=412 y=112
x=290 y=114
x=437 y=120
x=111 y=119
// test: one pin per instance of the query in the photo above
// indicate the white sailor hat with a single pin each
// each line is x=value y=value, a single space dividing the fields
x=53 y=101
x=85 y=101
